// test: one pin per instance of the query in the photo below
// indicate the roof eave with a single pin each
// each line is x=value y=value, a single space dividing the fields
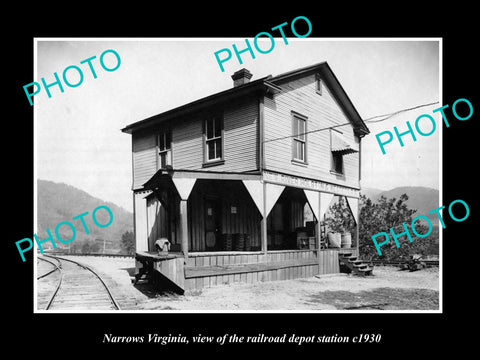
x=339 y=92
x=249 y=88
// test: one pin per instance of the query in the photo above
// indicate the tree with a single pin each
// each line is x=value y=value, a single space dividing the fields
x=341 y=219
x=386 y=214
x=127 y=243
x=86 y=248
x=95 y=247
x=75 y=248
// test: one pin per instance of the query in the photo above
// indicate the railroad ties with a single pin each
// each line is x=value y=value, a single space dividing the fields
x=72 y=286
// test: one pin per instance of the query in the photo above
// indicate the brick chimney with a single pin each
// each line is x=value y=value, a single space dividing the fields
x=241 y=77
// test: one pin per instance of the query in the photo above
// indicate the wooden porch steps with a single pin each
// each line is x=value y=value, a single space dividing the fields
x=352 y=264
x=215 y=270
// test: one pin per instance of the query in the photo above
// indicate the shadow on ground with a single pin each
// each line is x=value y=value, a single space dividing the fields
x=379 y=299
x=154 y=287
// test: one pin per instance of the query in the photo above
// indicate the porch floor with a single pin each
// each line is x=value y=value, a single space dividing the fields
x=215 y=270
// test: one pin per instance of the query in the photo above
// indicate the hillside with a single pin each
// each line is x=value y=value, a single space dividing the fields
x=371 y=193
x=423 y=199
x=57 y=202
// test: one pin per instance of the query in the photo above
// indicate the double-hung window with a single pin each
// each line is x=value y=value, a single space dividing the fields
x=164 y=143
x=214 y=139
x=299 y=138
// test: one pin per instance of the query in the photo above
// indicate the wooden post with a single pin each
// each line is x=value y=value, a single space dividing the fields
x=263 y=224
x=262 y=165
x=319 y=234
x=319 y=229
x=184 y=227
x=357 y=235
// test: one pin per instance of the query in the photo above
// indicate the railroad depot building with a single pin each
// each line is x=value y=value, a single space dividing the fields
x=239 y=182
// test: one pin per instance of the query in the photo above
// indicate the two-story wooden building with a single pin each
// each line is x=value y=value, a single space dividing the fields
x=238 y=181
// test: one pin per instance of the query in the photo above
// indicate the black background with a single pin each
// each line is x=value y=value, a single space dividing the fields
x=402 y=334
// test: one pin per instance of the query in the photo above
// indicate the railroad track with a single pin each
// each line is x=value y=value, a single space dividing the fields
x=61 y=253
x=55 y=268
x=76 y=287
x=429 y=263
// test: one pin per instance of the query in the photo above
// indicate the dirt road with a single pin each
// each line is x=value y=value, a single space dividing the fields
x=389 y=289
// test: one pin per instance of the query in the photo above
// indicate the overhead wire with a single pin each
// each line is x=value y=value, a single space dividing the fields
x=388 y=116
x=369 y=120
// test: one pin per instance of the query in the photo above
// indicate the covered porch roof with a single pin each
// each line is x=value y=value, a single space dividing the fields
x=183 y=180
x=163 y=175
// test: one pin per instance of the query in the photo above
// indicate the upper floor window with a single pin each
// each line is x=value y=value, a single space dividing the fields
x=299 y=145
x=318 y=85
x=340 y=146
x=164 y=144
x=213 y=139
x=337 y=162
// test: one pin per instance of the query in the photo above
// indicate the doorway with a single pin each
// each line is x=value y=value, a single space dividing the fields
x=212 y=223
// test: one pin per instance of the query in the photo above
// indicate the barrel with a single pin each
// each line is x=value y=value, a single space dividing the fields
x=334 y=239
x=238 y=241
x=227 y=242
x=347 y=240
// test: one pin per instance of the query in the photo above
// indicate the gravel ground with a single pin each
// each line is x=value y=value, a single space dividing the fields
x=389 y=289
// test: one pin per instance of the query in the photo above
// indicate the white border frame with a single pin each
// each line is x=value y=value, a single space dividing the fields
x=440 y=151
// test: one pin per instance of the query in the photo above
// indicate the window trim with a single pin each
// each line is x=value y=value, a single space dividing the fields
x=167 y=133
x=219 y=160
x=295 y=115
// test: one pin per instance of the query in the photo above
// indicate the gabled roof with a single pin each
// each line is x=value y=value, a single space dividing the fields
x=262 y=85
x=335 y=88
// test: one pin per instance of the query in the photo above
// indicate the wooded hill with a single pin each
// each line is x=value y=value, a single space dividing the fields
x=57 y=202
x=423 y=199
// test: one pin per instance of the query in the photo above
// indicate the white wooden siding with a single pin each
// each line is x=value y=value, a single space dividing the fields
x=144 y=158
x=240 y=151
x=241 y=136
x=187 y=141
x=322 y=111
x=241 y=146
x=140 y=220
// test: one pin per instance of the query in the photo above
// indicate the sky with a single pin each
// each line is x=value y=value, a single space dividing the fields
x=78 y=138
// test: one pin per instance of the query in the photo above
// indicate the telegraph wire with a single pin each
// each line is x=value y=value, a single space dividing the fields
x=388 y=116
x=369 y=120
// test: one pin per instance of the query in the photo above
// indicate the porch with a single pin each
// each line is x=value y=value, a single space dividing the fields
x=204 y=270
x=236 y=228
x=210 y=269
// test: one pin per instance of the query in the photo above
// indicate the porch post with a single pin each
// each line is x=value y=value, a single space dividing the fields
x=184 y=227
x=184 y=187
x=271 y=193
x=357 y=235
x=313 y=198
x=319 y=227
x=353 y=203
x=263 y=223
x=324 y=201
x=319 y=232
